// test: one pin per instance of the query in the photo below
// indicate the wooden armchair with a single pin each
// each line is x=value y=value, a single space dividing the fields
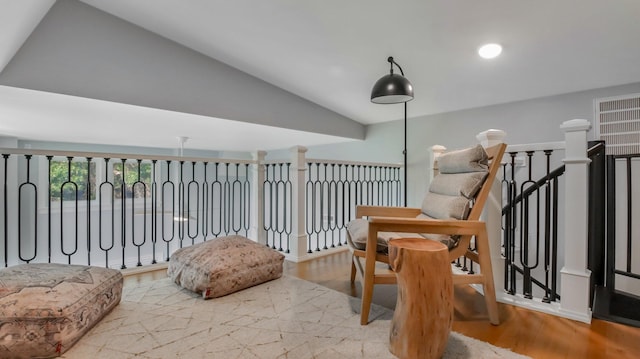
x=384 y=223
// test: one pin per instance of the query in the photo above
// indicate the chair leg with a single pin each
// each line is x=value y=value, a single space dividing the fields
x=484 y=259
x=367 y=288
x=367 y=294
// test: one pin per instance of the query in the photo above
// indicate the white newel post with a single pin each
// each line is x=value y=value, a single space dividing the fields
x=435 y=151
x=575 y=277
x=257 y=212
x=298 y=239
x=492 y=214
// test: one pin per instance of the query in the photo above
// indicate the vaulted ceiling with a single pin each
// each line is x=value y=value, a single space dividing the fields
x=326 y=55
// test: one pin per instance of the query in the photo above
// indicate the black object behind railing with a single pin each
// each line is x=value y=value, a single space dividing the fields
x=530 y=223
x=84 y=209
x=617 y=295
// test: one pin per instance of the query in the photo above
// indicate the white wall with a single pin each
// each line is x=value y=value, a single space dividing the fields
x=81 y=51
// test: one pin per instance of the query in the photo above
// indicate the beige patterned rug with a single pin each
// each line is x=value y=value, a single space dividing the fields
x=284 y=318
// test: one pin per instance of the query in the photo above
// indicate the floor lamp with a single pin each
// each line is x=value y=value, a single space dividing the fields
x=394 y=88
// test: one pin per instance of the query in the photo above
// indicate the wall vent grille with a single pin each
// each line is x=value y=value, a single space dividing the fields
x=618 y=124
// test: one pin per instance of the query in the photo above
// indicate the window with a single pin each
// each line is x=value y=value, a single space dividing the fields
x=69 y=181
x=134 y=174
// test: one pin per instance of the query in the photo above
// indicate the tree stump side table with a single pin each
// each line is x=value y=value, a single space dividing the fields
x=424 y=309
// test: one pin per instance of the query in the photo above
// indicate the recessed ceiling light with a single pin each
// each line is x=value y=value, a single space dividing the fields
x=489 y=51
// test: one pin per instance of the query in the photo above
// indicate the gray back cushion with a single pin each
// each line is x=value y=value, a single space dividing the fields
x=462 y=173
x=473 y=159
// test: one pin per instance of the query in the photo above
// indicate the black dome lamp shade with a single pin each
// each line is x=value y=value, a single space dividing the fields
x=394 y=88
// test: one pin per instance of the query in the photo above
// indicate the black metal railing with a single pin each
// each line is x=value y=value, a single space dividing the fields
x=530 y=221
x=277 y=204
x=530 y=226
x=117 y=209
x=334 y=189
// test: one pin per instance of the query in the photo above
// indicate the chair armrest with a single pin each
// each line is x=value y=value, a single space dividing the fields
x=419 y=225
x=367 y=211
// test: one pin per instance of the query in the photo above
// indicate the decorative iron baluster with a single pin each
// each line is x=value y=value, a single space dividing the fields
x=25 y=186
x=168 y=184
x=154 y=211
x=137 y=183
x=554 y=254
x=123 y=216
x=287 y=202
x=217 y=191
x=310 y=210
x=75 y=197
x=227 y=199
x=88 y=194
x=105 y=184
x=205 y=204
x=5 y=214
x=278 y=210
x=246 y=203
x=49 y=234
x=341 y=203
x=547 y=230
x=359 y=186
x=267 y=199
x=181 y=204
x=332 y=205
x=192 y=184
x=323 y=197
x=236 y=214
x=524 y=234
x=514 y=218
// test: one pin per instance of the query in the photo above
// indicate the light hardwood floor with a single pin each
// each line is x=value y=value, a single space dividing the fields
x=535 y=334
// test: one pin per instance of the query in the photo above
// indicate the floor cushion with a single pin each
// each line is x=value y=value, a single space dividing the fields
x=224 y=265
x=45 y=308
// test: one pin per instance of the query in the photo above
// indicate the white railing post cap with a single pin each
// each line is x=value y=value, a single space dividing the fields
x=299 y=149
x=259 y=155
x=576 y=125
x=491 y=135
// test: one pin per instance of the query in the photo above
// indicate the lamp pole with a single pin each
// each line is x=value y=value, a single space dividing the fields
x=394 y=88
x=404 y=153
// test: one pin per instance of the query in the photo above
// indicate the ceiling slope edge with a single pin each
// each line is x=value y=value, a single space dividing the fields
x=82 y=51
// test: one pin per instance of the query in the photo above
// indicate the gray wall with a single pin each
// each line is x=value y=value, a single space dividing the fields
x=530 y=121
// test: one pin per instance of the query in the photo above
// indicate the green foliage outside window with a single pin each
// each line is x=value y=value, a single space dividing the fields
x=69 y=180
x=130 y=177
x=61 y=173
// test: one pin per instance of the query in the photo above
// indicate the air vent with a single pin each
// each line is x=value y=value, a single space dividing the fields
x=618 y=123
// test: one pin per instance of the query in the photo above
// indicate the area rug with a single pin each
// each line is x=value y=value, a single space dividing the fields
x=284 y=318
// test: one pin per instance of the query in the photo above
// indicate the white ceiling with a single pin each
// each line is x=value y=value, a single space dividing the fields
x=332 y=51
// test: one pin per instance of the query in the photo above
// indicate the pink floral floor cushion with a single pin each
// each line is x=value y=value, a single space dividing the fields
x=45 y=308
x=224 y=265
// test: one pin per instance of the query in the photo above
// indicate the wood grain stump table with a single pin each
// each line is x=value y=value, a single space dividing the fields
x=424 y=308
